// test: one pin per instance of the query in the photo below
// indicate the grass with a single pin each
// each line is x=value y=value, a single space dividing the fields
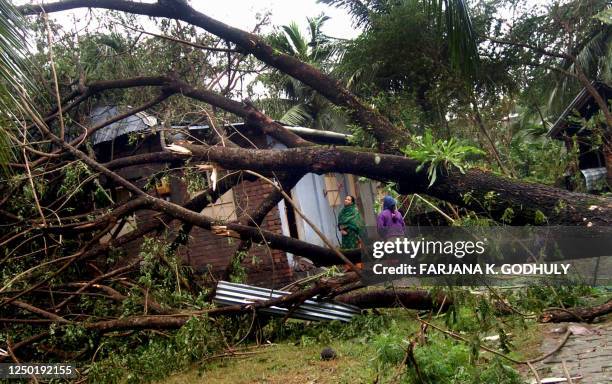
x=360 y=359
x=287 y=364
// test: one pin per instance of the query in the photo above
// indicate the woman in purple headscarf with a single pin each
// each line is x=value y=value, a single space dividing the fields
x=390 y=221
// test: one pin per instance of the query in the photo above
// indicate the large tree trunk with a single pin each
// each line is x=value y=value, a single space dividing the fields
x=389 y=298
x=479 y=190
x=559 y=315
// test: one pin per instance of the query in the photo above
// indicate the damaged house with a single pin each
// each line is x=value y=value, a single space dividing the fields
x=319 y=197
x=594 y=150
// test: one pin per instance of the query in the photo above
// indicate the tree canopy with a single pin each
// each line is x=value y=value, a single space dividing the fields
x=442 y=99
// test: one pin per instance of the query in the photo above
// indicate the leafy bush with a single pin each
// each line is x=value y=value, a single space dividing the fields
x=444 y=360
x=440 y=154
x=157 y=357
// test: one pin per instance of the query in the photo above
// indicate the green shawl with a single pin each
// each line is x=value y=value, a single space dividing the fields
x=350 y=220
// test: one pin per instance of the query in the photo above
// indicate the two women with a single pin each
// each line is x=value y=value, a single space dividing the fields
x=390 y=222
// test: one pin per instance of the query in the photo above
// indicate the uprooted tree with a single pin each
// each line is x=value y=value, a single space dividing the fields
x=53 y=256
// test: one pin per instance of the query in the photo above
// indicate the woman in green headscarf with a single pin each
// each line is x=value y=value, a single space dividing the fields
x=350 y=224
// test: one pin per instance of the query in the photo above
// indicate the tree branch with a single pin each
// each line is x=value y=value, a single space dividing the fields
x=378 y=125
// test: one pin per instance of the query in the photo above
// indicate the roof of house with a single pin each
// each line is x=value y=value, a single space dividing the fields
x=581 y=103
x=134 y=123
x=143 y=121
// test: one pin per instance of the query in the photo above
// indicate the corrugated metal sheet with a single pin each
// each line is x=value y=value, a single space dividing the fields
x=595 y=178
x=137 y=122
x=233 y=293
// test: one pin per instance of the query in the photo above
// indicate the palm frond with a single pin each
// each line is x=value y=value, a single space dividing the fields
x=358 y=10
x=298 y=115
x=459 y=30
x=593 y=51
x=13 y=53
x=296 y=40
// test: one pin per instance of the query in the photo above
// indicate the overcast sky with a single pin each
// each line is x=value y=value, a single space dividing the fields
x=241 y=13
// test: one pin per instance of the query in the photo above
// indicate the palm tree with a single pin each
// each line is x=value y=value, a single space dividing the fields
x=302 y=106
x=452 y=16
x=591 y=54
x=12 y=55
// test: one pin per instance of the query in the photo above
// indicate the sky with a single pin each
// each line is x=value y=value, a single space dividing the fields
x=242 y=13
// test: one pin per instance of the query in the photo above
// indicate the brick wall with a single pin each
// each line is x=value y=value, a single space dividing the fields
x=265 y=267
x=205 y=251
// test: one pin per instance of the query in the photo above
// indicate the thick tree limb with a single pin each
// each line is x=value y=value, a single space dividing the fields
x=559 y=315
x=371 y=120
x=38 y=311
x=389 y=298
x=526 y=199
x=469 y=189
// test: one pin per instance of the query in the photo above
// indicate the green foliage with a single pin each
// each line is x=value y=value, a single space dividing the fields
x=446 y=361
x=450 y=18
x=157 y=357
x=537 y=158
x=508 y=215
x=538 y=297
x=440 y=155
x=196 y=182
x=605 y=16
x=390 y=349
x=14 y=80
x=238 y=271
x=540 y=217
x=74 y=174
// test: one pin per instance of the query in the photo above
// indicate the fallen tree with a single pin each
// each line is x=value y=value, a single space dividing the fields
x=61 y=253
x=579 y=314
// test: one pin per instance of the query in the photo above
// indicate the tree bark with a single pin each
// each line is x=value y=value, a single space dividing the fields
x=479 y=190
x=557 y=315
x=389 y=298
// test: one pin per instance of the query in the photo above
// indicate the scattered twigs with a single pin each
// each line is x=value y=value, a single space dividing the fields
x=189 y=43
x=28 y=341
x=105 y=276
x=38 y=311
x=557 y=348
x=531 y=361
x=54 y=73
x=566 y=372
x=12 y=354
x=535 y=373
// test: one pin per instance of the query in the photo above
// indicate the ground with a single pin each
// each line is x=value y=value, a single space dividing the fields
x=299 y=362
x=285 y=364
x=587 y=353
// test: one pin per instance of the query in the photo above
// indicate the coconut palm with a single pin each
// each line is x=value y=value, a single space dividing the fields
x=451 y=15
x=12 y=54
x=591 y=53
x=301 y=105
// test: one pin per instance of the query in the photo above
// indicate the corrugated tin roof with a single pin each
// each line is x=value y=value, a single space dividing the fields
x=316 y=135
x=595 y=178
x=233 y=293
x=137 y=122
x=577 y=103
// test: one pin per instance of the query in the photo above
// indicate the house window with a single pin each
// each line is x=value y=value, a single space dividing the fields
x=332 y=190
x=223 y=209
